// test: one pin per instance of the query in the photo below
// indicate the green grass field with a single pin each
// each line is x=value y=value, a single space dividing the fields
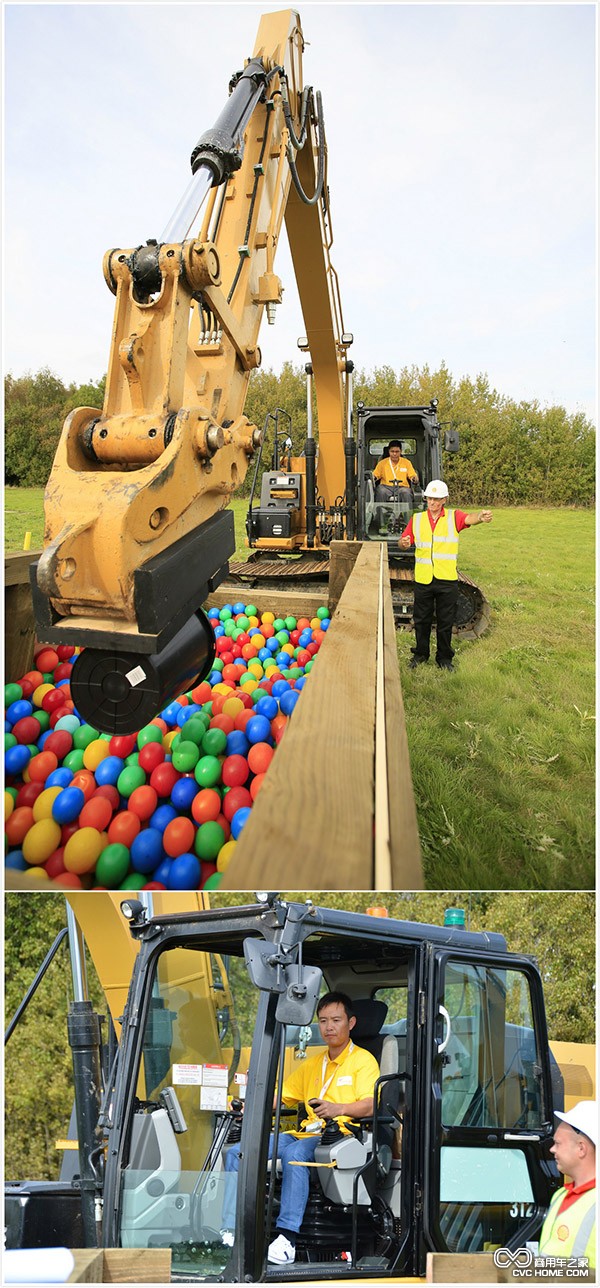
x=502 y=750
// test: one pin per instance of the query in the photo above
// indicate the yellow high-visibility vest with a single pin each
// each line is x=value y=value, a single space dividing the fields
x=572 y=1233
x=436 y=551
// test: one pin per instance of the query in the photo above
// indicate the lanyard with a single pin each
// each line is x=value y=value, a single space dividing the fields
x=327 y=1084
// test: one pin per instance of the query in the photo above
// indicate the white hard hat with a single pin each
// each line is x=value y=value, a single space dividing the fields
x=437 y=488
x=584 y=1118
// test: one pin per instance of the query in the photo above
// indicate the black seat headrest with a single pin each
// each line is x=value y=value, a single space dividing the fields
x=370 y=1015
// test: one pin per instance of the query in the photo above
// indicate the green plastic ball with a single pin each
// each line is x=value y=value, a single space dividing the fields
x=214 y=742
x=12 y=693
x=213 y=882
x=112 y=865
x=208 y=771
x=130 y=778
x=185 y=755
x=134 y=881
x=209 y=839
x=322 y=612
x=83 y=736
x=74 y=759
x=149 y=733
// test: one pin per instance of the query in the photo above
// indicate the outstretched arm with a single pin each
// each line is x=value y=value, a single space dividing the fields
x=482 y=516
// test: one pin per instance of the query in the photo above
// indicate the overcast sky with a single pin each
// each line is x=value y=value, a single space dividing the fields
x=461 y=169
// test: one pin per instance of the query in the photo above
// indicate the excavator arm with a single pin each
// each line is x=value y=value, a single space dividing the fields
x=137 y=533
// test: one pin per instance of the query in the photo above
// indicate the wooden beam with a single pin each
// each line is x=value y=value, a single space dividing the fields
x=462 y=1268
x=343 y=556
x=405 y=846
x=286 y=603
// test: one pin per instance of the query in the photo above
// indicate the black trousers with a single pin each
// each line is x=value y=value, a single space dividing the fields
x=441 y=596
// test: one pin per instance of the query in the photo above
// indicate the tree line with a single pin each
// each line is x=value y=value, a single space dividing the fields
x=558 y=930
x=511 y=453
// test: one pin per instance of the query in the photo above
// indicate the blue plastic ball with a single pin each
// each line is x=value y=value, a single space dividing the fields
x=16 y=759
x=18 y=710
x=183 y=793
x=239 y=608
x=16 y=861
x=239 y=821
x=109 y=769
x=264 y=655
x=267 y=707
x=300 y=682
x=215 y=677
x=184 y=873
x=162 y=872
x=258 y=729
x=147 y=850
x=171 y=713
x=287 y=702
x=272 y=645
x=68 y=805
x=237 y=743
x=212 y=613
x=186 y=713
x=59 y=777
x=162 y=815
x=218 y=631
x=279 y=687
x=70 y=723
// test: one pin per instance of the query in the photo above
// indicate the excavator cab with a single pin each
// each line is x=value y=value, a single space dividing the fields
x=465 y=1091
x=418 y=431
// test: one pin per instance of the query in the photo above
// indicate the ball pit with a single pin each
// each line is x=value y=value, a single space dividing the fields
x=161 y=809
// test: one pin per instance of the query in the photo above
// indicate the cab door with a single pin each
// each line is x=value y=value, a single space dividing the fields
x=487 y=1102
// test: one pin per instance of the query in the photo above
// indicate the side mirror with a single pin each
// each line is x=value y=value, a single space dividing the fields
x=451 y=440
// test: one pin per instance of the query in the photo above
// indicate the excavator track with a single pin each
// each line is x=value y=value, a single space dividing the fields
x=310 y=573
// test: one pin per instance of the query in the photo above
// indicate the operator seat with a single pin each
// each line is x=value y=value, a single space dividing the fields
x=370 y=1016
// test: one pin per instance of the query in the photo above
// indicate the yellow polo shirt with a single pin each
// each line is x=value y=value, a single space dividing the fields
x=386 y=472
x=351 y=1076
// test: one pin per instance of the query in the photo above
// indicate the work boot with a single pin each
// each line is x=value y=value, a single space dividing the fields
x=417 y=661
x=445 y=666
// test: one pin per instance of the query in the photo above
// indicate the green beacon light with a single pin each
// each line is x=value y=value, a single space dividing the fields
x=455 y=917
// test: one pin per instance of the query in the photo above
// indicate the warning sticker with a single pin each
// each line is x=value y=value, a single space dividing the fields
x=136 y=676
x=187 y=1075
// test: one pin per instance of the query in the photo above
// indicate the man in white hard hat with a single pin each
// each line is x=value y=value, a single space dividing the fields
x=434 y=534
x=570 y=1226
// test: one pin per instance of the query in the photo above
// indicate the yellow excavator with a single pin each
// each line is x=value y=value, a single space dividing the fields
x=137 y=530
x=209 y=1007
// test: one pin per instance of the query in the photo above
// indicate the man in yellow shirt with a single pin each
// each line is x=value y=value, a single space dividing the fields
x=393 y=475
x=337 y=1084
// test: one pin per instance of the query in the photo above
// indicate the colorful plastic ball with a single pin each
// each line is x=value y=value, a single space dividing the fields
x=16 y=861
x=41 y=765
x=184 y=873
x=235 y=771
x=258 y=729
x=209 y=839
x=208 y=771
x=225 y=856
x=46 y=659
x=9 y=804
x=69 y=722
x=151 y=755
x=130 y=778
x=122 y=745
x=60 y=777
x=213 y=881
x=288 y=701
x=147 y=850
x=163 y=871
x=109 y=769
x=16 y=759
x=143 y=801
x=214 y=742
x=267 y=707
x=206 y=805
x=185 y=756
x=113 y=865
x=68 y=805
x=40 y=841
x=124 y=828
x=59 y=741
x=95 y=753
x=260 y=757
x=184 y=793
x=12 y=693
x=163 y=778
x=83 y=849
x=18 y=710
x=236 y=798
x=135 y=881
x=237 y=743
x=84 y=779
x=162 y=815
x=84 y=735
x=187 y=713
x=178 y=836
x=110 y=793
x=96 y=813
x=256 y=785
x=42 y=806
x=149 y=733
x=26 y=730
x=239 y=821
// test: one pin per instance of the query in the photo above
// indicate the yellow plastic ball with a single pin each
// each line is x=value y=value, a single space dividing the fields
x=253 y=621
x=9 y=804
x=288 y=648
x=169 y=737
x=249 y=685
x=315 y=623
x=258 y=641
x=267 y=619
x=255 y=668
x=40 y=692
x=94 y=753
x=35 y=876
x=40 y=841
x=232 y=707
x=221 y=687
x=225 y=855
x=83 y=849
x=42 y=806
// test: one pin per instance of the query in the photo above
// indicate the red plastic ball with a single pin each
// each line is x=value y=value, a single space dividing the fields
x=235 y=771
x=65 y=651
x=202 y=693
x=97 y=813
x=163 y=778
x=29 y=793
x=109 y=791
x=63 y=672
x=54 y=866
x=53 y=699
x=18 y=825
x=224 y=823
x=237 y=798
x=143 y=800
x=151 y=755
x=60 y=742
x=256 y=785
x=26 y=730
x=57 y=715
x=68 y=830
x=260 y=757
x=41 y=765
x=84 y=779
x=46 y=659
x=223 y=721
x=122 y=745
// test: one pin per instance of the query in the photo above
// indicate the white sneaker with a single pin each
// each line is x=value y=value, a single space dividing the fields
x=281 y=1251
x=227 y=1238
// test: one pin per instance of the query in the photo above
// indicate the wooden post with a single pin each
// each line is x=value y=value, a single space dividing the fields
x=316 y=816
x=19 y=624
